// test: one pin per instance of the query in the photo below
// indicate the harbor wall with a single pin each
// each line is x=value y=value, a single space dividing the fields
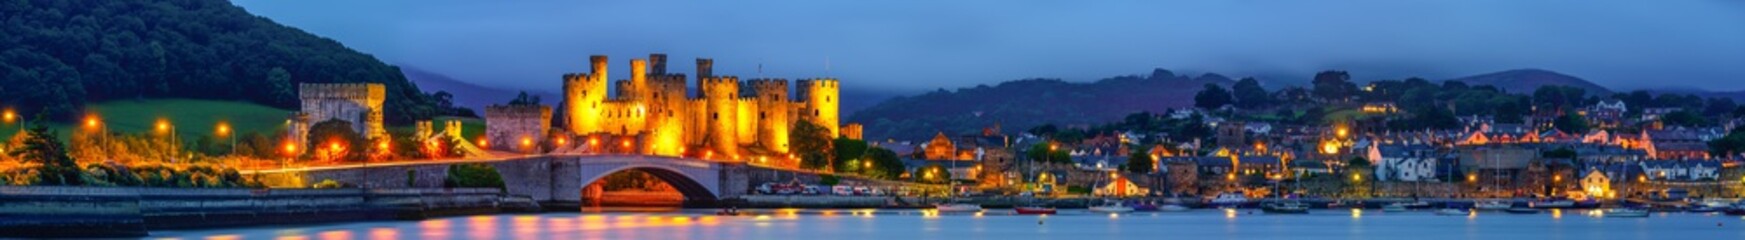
x=42 y=211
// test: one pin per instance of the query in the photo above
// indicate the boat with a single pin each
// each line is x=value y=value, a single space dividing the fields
x=1112 y=207
x=1552 y=203
x=1704 y=209
x=958 y=207
x=1290 y=207
x=1144 y=207
x=1229 y=199
x=1034 y=210
x=1452 y=212
x=1416 y=205
x=1521 y=210
x=1491 y=205
x=1626 y=213
x=1394 y=208
x=1734 y=211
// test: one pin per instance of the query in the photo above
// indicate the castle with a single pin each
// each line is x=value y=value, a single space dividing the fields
x=725 y=119
x=359 y=104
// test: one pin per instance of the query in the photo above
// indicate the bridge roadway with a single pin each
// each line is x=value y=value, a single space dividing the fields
x=545 y=178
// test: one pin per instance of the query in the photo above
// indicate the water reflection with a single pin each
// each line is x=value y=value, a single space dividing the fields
x=992 y=223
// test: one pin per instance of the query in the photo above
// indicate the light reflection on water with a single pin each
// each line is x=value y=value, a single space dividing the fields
x=1001 y=224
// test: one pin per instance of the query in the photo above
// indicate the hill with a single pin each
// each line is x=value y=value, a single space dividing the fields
x=190 y=117
x=1525 y=81
x=62 y=54
x=469 y=95
x=1021 y=104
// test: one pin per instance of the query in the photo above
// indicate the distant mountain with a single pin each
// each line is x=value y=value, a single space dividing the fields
x=469 y=95
x=1525 y=81
x=1021 y=104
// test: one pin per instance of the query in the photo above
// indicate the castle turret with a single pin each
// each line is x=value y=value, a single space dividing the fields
x=771 y=96
x=638 y=80
x=720 y=96
x=705 y=69
x=819 y=99
x=583 y=96
x=657 y=64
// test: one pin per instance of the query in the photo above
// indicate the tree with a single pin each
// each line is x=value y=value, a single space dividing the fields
x=1333 y=85
x=886 y=163
x=1686 y=118
x=848 y=152
x=1041 y=152
x=525 y=99
x=1250 y=95
x=1140 y=161
x=813 y=145
x=1571 y=123
x=1730 y=145
x=1212 y=97
x=473 y=175
x=41 y=147
x=932 y=173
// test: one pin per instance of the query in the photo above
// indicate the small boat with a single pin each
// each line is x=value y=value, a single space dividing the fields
x=1172 y=208
x=958 y=207
x=1552 y=203
x=1491 y=205
x=1034 y=210
x=1522 y=210
x=1113 y=207
x=1452 y=212
x=1626 y=213
x=1285 y=208
x=1144 y=207
x=1704 y=209
x=1394 y=208
x=1734 y=211
x=1231 y=199
x=1416 y=205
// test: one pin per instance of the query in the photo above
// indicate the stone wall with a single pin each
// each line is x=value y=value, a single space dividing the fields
x=518 y=128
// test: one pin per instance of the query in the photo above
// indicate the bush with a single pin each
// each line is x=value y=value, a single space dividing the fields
x=829 y=180
x=327 y=184
x=473 y=175
x=1078 y=190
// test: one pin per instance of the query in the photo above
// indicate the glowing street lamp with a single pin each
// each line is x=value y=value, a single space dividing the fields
x=163 y=125
x=10 y=115
x=91 y=122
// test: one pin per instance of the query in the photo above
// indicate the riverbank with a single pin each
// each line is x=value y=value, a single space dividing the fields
x=87 y=212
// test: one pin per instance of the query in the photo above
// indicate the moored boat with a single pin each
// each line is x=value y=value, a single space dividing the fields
x=1521 y=210
x=1230 y=199
x=1145 y=207
x=1034 y=210
x=1290 y=207
x=1552 y=203
x=1625 y=213
x=1396 y=207
x=1734 y=211
x=958 y=207
x=1491 y=205
x=1114 y=207
x=1452 y=212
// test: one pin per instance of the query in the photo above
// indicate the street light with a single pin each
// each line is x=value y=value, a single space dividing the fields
x=223 y=131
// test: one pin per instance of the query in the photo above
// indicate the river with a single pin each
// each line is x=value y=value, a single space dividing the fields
x=999 y=224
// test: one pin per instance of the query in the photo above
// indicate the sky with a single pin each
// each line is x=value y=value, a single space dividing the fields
x=909 y=46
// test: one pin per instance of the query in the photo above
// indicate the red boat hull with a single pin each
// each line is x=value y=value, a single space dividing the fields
x=1035 y=211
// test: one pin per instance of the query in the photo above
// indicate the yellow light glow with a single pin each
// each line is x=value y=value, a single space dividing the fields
x=560 y=141
x=1329 y=148
x=163 y=125
x=10 y=115
x=1356 y=177
x=1356 y=213
x=290 y=148
x=1471 y=177
x=483 y=143
x=1342 y=132
x=526 y=141
x=223 y=129
x=91 y=121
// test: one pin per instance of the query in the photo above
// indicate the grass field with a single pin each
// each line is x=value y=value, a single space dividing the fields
x=190 y=118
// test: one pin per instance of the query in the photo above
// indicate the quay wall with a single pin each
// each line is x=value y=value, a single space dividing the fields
x=44 y=211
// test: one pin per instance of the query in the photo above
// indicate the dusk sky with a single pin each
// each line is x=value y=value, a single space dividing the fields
x=924 y=45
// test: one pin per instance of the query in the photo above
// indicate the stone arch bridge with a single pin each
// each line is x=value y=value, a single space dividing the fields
x=548 y=179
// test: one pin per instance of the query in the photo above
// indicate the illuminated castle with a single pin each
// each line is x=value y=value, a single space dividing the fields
x=726 y=118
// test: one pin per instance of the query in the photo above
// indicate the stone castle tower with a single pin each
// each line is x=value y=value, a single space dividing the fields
x=724 y=118
x=357 y=103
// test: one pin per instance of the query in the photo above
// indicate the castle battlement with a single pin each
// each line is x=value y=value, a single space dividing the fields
x=362 y=92
x=818 y=82
x=517 y=111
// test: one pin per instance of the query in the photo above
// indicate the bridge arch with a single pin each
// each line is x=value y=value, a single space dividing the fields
x=698 y=186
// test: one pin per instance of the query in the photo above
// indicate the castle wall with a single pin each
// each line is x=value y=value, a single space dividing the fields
x=745 y=125
x=773 y=112
x=518 y=128
x=722 y=95
x=583 y=96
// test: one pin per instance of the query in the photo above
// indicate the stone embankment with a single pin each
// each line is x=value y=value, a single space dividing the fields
x=132 y=212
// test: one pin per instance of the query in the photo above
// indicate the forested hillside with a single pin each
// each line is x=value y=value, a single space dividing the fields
x=59 y=55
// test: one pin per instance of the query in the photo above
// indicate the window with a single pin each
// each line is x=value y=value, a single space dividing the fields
x=715 y=116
